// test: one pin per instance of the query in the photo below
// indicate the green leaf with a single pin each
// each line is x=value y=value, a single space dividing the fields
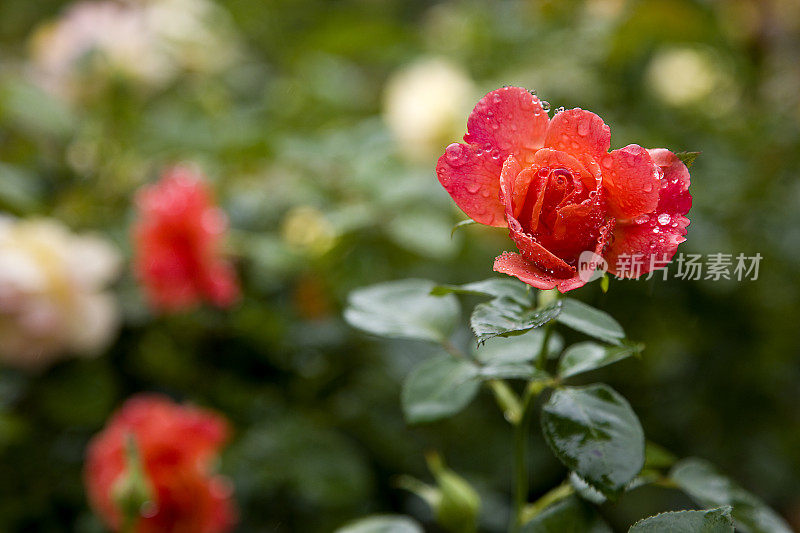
x=459 y=225
x=586 y=356
x=35 y=110
x=504 y=370
x=700 y=480
x=438 y=388
x=569 y=515
x=403 y=309
x=591 y=321
x=423 y=232
x=586 y=491
x=711 y=521
x=494 y=287
x=382 y=524
x=687 y=158
x=656 y=456
x=504 y=317
x=596 y=434
x=518 y=349
x=19 y=189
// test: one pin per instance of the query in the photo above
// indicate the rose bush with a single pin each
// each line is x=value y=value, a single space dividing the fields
x=560 y=192
x=178 y=239
x=177 y=445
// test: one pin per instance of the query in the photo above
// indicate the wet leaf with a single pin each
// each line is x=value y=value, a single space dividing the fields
x=700 y=480
x=438 y=388
x=596 y=434
x=710 y=521
x=403 y=309
x=593 y=322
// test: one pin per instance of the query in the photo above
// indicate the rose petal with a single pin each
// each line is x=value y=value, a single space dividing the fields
x=576 y=131
x=655 y=240
x=632 y=181
x=472 y=177
x=516 y=265
x=639 y=248
x=674 y=198
x=510 y=120
x=536 y=253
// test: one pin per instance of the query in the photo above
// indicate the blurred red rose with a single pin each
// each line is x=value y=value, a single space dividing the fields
x=177 y=445
x=177 y=238
x=560 y=192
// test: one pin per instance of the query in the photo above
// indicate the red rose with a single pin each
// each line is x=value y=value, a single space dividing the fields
x=177 y=445
x=177 y=239
x=560 y=192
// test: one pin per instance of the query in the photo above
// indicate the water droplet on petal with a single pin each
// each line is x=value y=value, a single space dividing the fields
x=473 y=187
x=664 y=219
x=559 y=110
x=456 y=154
x=656 y=230
x=641 y=219
x=583 y=128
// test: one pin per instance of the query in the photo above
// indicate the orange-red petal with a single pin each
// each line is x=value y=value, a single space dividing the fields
x=577 y=131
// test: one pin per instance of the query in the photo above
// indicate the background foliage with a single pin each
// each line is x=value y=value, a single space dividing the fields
x=323 y=200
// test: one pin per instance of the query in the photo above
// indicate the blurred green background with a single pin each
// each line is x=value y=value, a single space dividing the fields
x=319 y=123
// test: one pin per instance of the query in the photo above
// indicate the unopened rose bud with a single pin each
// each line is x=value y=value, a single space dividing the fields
x=459 y=504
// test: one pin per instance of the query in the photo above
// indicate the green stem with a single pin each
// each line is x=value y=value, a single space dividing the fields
x=507 y=400
x=559 y=493
x=521 y=431
x=541 y=358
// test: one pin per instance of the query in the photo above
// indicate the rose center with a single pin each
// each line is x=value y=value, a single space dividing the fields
x=556 y=213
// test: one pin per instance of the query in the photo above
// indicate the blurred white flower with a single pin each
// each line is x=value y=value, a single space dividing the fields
x=147 y=41
x=426 y=106
x=52 y=298
x=685 y=76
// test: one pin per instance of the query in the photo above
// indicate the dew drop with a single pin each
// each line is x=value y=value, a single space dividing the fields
x=559 y=110
x=608 y=161
x=456 y=154
x=497 y=99
x=656 y=230
x=473 y=187
x=545 y=105
x=641 y=219
x=583 y=128
x=664 y=219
